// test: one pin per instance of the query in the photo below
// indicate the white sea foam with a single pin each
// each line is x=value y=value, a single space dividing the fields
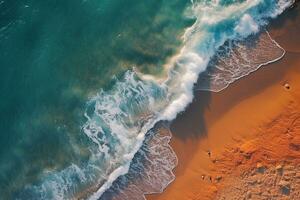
x=150 y=171
x=246 y=26
x=236 y=59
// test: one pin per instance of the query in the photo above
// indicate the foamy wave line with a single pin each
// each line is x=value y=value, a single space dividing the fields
x=234 y=68
x=151 y=169
x=122 y=170
x=201 y=41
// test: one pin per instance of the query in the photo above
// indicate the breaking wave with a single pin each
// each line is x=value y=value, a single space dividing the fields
x=150 y=171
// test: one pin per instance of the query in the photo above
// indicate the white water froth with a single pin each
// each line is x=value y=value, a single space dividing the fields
x=236 y=59
x=150 y=170
x=246 y=26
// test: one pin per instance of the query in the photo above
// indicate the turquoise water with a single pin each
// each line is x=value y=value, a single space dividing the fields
x=56 y=54
x=75 y=104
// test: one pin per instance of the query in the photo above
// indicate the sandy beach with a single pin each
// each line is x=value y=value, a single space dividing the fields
x=244 y=142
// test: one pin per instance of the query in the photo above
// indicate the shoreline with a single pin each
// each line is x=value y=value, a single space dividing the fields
x=195 y=132
x=181 y=101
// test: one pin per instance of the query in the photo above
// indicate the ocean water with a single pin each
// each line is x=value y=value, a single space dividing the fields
x=84 y=83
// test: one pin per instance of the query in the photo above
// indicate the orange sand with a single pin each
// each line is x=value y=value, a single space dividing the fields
x=254 y=124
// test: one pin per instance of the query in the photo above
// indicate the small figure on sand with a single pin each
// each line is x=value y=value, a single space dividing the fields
x=209 y=153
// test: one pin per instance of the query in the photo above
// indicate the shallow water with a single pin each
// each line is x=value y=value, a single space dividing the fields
x=236 y=59
x=76 y=104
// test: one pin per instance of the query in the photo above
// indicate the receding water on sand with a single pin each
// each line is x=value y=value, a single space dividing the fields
x=236 y=59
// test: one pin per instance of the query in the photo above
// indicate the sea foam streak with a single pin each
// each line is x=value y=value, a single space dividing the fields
x=150 y=170
x=238 y=58
x=118 y=119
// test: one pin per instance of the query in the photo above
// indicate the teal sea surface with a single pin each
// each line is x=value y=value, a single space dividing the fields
x=54 y=56
x=83 y=81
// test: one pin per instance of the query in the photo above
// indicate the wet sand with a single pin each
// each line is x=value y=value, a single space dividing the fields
x=244 y=142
